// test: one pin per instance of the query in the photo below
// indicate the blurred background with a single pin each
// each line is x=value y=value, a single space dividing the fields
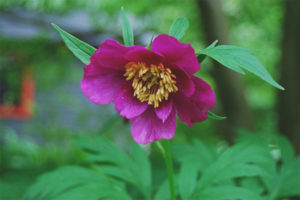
x=42 y=107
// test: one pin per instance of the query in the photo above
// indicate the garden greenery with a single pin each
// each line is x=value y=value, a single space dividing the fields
x=254 y=168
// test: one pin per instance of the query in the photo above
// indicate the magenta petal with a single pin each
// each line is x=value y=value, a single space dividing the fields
x=128 y=105
x=141 y=54
x=184 y=81
x=148 y=128
x=102 y=87
x=111 y=54
x=204 y=94
x=164 y=109
x=195 y=108
x=190 y=113
x=182 y=55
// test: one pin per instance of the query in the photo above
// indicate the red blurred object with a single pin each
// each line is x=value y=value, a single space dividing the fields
x=24 y=110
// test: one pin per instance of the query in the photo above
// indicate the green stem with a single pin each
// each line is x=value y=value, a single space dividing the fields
x=165 y=149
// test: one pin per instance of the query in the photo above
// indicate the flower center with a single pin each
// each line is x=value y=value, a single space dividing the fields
x=151 y=83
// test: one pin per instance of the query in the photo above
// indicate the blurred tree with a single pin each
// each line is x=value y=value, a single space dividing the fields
x=289 y=100
x=229 y=84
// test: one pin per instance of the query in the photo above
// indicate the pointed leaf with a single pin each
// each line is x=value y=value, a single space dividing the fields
x=178 y=28
x=126 y=29
x=236 y=58
x=237 y=161
x=80 y=49
x=212 y=44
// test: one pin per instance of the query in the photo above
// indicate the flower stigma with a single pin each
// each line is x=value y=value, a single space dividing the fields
x=153 y=83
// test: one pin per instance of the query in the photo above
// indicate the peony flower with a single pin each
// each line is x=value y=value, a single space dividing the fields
x=149 y=87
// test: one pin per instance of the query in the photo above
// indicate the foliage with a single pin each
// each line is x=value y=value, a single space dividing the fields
x=282 y=174
x=258 y=21
x=246 y=170
x=256 y=26
x=109 y=165
x=134 y=168
x=126 y=29
x=230 y=56
x=72 y=182
x=81 y=50
x=178 y=28
x=237 y=57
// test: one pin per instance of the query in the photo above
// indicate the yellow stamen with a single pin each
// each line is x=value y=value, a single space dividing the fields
x=152 y=84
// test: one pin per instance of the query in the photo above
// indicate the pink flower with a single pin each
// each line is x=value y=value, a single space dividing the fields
x=149 y=87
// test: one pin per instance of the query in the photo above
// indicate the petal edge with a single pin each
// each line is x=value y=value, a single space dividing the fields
x=148 y=128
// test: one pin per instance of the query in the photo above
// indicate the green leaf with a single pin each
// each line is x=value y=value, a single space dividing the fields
x=117 y=172
x=178 y=28
x=281 y=174
x=201 y=57
x=199 y=154
x=288 y=183
x=91 y=192
x=112 y=161
x=187 y=179
x=225 y=192
x=100 y=149
x=237 y=58
x=253 y=183
x=163 y=191
x=237 y=161
x=287 y=153
x=212 y=44
x=141 y=161
x=72 y=181
x=80 y=49
x=212 y=115
x=126 y=29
